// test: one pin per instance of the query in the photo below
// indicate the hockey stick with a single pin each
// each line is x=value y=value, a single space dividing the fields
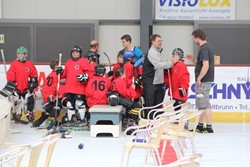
x=58 y=82
x=57 y=89
x=108 y=60
x=4 y=62
x=170 y=85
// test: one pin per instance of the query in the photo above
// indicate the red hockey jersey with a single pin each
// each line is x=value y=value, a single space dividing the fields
x=129 y=69
x=49 y=87
x=72 y=69
x=180 y=77
x=116 y=65
x=20 y=73
x=120 y=86
x=97 y=89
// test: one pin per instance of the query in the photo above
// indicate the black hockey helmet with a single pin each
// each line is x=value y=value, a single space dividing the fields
x=179 y=52
x=100 y=70
x=91 y=56
x=113 y=98
x=76 y=49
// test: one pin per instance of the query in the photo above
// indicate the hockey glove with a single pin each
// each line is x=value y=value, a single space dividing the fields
x=110 y=73
x=59 y=70
x=82 y=77
x=138 y=80
x=8 y=89
x=32 y=84
x=182 y=91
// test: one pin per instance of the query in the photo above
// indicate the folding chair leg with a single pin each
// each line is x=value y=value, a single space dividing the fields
x=158 y=156
x=163 y=148
x=127 y=162
x=177 y=149
x=180 y=143
x=146 y=156
x=193 y=147
x=123 y=157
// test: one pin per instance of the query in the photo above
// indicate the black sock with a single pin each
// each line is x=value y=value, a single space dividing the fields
x=200 y=125
x=209 y=126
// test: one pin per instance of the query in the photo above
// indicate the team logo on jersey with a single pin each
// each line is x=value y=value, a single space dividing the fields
x=27 y=69
x=77 y=67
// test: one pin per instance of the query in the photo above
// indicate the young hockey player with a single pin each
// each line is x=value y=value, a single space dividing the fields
x=179 y=80
x=119 y=63
x=126 y=43
x=98 y=87
x=129 y=60
x=126 y=94
x=49 y=94
x=77 y=72
x=128 y=66
x=23 y=74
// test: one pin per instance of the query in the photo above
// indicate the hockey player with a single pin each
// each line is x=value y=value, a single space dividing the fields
x=119 y=63
x=128 y=66
x=98 y=87
x=77 y=72
x=23 y=74
x=129 y=60
x=126 y=43
x=92 y=60
x=126 y=95
x=49 y=94
x=179 y=80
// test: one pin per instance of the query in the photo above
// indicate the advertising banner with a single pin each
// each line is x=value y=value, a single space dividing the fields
x=230 y=91
x=195 y=9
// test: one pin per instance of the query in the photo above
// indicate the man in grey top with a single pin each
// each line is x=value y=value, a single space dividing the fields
x=153 y=73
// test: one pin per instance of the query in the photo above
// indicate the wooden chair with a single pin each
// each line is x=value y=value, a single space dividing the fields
x=36 y=148
x=4 y=121
x=178 y=125
x=13 y=157
x=51 y=146
x=190 y=161
x=166 y=111
x=185 y=134
x=46 y=143
x=144 y=133
x=176 y=134
x=163 y=104
x=167 y=105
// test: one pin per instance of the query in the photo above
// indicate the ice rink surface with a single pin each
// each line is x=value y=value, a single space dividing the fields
x=229 y=146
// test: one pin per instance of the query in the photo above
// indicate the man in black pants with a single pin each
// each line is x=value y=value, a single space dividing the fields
x=153 y=73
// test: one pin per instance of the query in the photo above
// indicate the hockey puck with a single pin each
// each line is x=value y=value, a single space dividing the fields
x=80 y=146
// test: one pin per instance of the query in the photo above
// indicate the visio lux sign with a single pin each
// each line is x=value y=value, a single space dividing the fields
x=195 y=9
x=191 y=3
